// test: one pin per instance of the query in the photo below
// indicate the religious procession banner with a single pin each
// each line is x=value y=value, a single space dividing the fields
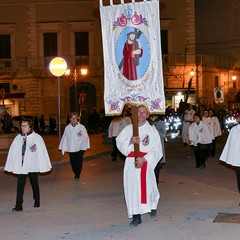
x=132 y=56
x=219 y=94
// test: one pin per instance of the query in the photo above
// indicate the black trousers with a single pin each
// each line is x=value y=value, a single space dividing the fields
x=200 y=156
x=213 y=147
x=21 y=181
x=238 y=177
x=157 y=170
x=76 y=160
x=115 y=150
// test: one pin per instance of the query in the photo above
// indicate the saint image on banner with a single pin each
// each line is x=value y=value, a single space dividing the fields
x=132 y=51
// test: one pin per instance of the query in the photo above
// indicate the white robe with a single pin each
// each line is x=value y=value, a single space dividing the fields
x=36 y=157
x=74 y=139
x=199 y=134
x=117 y=125
x=209 y=122
x=150 y=143
x=231 y=150
x=188 y=119
x=216 y=127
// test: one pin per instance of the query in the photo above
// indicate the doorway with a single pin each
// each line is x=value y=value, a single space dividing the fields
x=83 y=100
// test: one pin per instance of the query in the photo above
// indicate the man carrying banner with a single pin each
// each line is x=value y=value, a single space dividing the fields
x=140 y=188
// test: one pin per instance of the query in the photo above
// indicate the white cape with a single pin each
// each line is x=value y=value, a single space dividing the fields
x=36 y=157
x=231 y=150
x=74 y=139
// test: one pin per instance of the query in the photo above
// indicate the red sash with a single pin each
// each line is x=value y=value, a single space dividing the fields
x=143 y=177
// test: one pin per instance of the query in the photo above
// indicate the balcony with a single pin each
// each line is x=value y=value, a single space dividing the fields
x=204 y=60
x=96 y=62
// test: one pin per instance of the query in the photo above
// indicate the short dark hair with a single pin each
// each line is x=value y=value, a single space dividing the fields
x=73 y=114
x=28 y=120
x=198 y=115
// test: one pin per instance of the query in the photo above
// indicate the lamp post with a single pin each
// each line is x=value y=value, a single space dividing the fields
x=58 y=67
x=192 y=73
x=76 y=78
x=234 y=78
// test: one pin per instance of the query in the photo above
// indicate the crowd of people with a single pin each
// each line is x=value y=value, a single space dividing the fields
x=200 y=130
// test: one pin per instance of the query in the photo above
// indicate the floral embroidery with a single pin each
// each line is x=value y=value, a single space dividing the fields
x=129 y=16
x=114 y=106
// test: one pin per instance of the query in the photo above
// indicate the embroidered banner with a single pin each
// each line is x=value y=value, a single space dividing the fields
x=219 y=94
x=132 y=56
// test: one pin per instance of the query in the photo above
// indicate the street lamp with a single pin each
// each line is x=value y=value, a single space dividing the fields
x=198 y=74
x=76 y=78
x=192 y=72
x=234 y=78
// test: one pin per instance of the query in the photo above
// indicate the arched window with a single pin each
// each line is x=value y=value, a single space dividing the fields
x=216 y=81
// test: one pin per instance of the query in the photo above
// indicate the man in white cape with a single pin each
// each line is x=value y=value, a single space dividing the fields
x=231 y=152
x=140 y=187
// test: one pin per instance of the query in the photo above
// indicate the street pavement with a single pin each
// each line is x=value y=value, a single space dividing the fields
x=94 y=208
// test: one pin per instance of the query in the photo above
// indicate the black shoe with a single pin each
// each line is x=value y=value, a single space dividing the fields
x=153 y=213
x=136 y=220
x=76 y=177
x=37 y=204
x=17 y=208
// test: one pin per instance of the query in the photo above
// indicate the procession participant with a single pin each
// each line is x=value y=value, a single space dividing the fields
x=159 y=122
x=117 y=124
x=231 y=152
x=216 y=130
x=200 y=139
x=208 y=120
x=140 y=187
x=27 y=156
x=188 y=120
x=75 y=141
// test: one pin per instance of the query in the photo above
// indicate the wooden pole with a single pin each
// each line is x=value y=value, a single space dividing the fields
x=135 y=129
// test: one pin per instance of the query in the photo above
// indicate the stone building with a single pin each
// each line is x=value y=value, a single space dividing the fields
x=33 y=32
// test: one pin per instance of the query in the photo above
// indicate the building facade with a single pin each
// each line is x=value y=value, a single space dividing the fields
x=33 y=32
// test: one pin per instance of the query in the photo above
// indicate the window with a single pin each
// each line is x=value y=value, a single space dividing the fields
x=81 y=44
x=164 y=41
x=5 y=50
x=81 y=41
x=49 y=47
x=5 y=86
x=5 y=46
x=50 y=44
x=216 y=81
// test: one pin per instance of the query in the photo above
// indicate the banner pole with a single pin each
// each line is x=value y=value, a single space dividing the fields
x=135 y=130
